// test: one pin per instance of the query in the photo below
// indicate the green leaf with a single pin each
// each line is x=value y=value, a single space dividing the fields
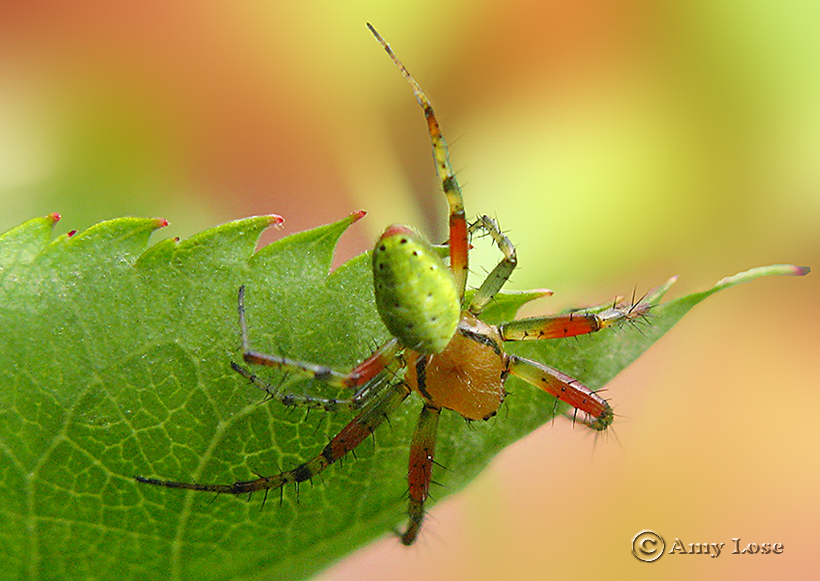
x=116 y=363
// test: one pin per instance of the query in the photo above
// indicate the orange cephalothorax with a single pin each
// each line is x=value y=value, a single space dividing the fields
x=468 y=376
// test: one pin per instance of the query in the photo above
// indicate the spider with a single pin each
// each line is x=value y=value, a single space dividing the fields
x=448 y=355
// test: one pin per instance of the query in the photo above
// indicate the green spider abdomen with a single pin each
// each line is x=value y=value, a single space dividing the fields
x=416 y=294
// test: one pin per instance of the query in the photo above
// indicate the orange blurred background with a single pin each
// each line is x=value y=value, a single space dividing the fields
x=618 y=142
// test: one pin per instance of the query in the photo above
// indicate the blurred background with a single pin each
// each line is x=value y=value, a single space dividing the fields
x=617 y=141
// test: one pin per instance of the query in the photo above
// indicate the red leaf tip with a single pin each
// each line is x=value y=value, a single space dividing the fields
x=801 y=270
x=275 y=220
x=54 y=217
x=161 y=222
x=356 y=216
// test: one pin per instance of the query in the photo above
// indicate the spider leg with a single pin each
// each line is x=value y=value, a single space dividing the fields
x=449 y=183
x=571 y=324
x=363 y=372
x=568 y=390
x=422 y=450
x=373 y=414
x=364 y=392
x=502 y=271
x=360 y=377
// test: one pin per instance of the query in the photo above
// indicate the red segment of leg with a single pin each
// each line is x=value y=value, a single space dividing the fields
x=364 y=424
x=459 y=248
x=550 y=327
x=562 y=386
x=373 y=365
x=420 y=470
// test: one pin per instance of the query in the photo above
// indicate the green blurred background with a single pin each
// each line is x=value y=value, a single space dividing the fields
x=618 y=142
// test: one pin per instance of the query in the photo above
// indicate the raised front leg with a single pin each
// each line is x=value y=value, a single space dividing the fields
x=452 y=190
